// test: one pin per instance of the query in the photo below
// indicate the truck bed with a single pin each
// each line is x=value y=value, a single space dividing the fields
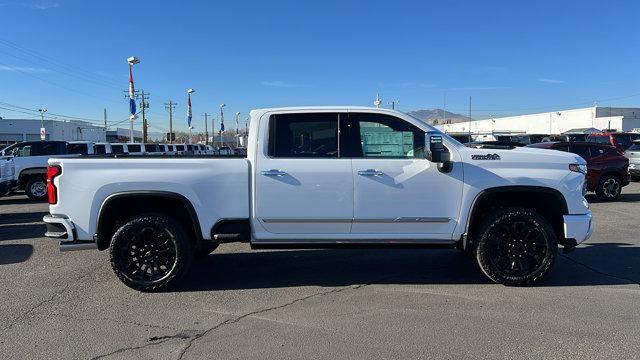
x=216 y=186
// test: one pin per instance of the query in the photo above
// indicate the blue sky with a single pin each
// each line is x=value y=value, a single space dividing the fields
x=511 y=56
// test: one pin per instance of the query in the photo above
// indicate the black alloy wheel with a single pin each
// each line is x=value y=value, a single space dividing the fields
x=516 y=246
x=150 y=253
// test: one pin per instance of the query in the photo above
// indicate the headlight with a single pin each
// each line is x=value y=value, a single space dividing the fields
x=580 y=168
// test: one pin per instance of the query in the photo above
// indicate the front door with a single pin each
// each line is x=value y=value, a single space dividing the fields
x=304 y=189
x=398 y=194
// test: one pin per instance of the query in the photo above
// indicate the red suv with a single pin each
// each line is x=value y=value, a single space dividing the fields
x=622 y=141
x=607 y=168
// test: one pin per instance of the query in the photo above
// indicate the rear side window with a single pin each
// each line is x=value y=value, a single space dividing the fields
x=624 y=140
x=133 y=148
x=599 y=139
x=180 y=147
x=598 y=150
x=581 y=150
x=635 y=146
x=51 y=148
x=151 y=148
x=310 y=135
x=100 y=149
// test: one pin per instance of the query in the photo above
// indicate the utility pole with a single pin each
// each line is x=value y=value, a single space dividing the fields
x=144 y=104
x=170 y=106
x=42 y=131
x=237 y=130
x=206 y=131
x=105 y=120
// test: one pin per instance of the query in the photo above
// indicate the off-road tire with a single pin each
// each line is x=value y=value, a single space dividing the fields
x=489 y=245
x=605 y=185
x=34 y=184
x=168 y=240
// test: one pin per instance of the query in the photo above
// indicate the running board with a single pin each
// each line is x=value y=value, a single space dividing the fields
x=77 y=245
x=354 y=245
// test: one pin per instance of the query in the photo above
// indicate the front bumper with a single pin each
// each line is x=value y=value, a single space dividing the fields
x=61 y=228
x=634 y=169
x=578 y=227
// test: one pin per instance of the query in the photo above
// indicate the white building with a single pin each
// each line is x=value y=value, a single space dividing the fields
x=555 y=122
x=15 y=130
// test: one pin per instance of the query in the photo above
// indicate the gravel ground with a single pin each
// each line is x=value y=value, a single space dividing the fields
x=320 y=304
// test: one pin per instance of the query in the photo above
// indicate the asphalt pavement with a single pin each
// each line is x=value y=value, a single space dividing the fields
x=321 y=304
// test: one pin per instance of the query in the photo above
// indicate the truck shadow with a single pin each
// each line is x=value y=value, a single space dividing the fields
x=15 y=253
x=624 y=197
x=588 y=265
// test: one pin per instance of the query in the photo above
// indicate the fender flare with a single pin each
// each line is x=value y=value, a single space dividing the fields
x=509 y=188
x=146 y=193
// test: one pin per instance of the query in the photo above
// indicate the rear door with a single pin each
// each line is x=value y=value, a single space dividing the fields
x=398 y=194
x=303 y=187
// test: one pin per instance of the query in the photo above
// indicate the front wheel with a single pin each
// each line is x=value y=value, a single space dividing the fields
x=150 y=253
x=36 y=189
x=516 y=246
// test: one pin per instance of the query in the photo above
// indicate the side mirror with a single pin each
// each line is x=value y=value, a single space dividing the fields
x=435 y=151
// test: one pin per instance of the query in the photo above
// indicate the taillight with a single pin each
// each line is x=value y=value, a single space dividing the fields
x=52 y=191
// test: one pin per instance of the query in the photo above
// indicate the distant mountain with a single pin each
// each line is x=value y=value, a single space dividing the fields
x=438 y=116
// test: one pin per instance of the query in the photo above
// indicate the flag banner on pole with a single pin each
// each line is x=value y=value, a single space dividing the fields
x=189 y=109
x=221 y=127
x=132 y=98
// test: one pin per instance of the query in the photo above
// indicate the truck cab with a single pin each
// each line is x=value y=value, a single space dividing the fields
x=318 y=177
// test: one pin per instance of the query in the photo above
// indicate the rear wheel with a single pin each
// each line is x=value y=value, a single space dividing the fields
x=609 y=187
x=516 y=246
x=150 y=253
x=36 y=188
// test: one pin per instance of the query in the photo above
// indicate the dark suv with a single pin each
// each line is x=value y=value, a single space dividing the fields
x=607 y=168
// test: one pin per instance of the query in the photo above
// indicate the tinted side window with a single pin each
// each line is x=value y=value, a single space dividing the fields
x=598 y=150
x=303 y=135
x=624 y=140
x=100 y=149
x=52 y=148
x=134 y=148
x=23 y=150
x=385 y=136
x=117 y=149
x=581 y=150
x=77 y=149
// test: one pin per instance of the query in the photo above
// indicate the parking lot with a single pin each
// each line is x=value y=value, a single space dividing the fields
x=389 y=304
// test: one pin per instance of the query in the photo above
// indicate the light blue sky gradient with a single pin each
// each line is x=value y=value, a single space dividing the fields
x=512 y=57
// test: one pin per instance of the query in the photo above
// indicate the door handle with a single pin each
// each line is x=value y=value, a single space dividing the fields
x=273 y=172
x=370 y=172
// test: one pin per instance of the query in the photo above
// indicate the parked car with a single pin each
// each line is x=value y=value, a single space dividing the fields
x=622 y=141
x=7 y=173
x=633 y=153
x=225 y=150
x=607 y=168
x=30 y=160
x=565 y=138
x=387 y=179
x=181 y=149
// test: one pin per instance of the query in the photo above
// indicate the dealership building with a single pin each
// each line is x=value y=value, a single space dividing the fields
x=555 y=122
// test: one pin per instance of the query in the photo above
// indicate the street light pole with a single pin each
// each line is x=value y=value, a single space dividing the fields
x=237 y=130
x=132 y=98
x=189 y=92
x=222 y=124
x=42 y=111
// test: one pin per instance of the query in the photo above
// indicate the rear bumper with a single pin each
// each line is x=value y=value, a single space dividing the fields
x=578 y=227
x=62 y=229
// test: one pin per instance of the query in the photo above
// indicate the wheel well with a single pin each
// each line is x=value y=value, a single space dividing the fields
x=548 y=203
x=27 y=174
x=118 y=209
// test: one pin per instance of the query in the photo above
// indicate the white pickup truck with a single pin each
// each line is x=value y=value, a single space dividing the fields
x=318 y=177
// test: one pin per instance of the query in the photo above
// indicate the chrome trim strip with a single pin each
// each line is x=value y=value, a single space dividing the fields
x=298 y=221
x=406 y=219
